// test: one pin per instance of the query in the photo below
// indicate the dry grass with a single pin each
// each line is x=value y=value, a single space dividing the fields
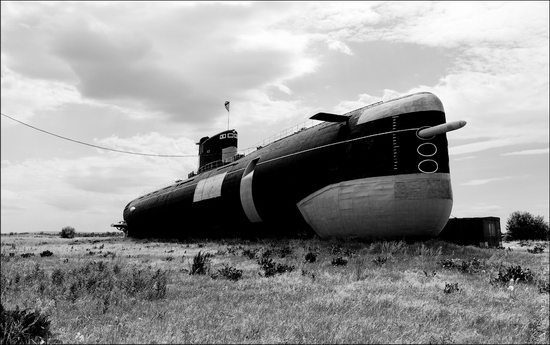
x=388 y=292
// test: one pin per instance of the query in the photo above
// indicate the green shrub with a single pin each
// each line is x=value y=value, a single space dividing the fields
x=24 y=326
x=525 y=226
x=68 y=232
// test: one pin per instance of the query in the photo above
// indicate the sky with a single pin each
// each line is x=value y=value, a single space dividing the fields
x=152 y=77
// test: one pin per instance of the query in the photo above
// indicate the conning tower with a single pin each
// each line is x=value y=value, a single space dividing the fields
x=217 y=150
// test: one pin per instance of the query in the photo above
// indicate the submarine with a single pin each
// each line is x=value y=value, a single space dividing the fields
x=377 y=172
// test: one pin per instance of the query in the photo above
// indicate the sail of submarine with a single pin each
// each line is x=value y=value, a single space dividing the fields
x=380 y=171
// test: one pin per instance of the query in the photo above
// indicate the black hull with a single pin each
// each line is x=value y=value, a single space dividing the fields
x=287 y=171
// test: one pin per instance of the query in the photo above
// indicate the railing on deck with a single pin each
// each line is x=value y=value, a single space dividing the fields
x=281 y=135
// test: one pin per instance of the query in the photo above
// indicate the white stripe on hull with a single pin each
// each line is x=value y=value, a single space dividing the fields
x=247 y=201
x=209 y=188
x=388 y=206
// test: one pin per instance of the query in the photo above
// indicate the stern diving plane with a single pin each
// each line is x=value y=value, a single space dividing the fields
x=380 y=171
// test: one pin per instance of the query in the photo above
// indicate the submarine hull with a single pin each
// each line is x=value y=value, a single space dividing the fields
x=370 y=176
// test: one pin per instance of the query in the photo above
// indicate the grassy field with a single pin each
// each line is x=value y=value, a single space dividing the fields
x=123 y=290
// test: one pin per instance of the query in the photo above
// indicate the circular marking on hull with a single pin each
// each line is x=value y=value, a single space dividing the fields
x=427 y=149
x=419 y=137
x=428 y=166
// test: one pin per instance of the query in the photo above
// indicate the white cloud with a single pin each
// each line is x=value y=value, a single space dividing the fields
x=484 y=181
x=365 y=99
x=527 y=152
x=133 y=60
x=488 y=144
x=151 y=143
x=454 y=24
x=462 y=158
x=339 y=46
x=480 y=209
x=22 y=96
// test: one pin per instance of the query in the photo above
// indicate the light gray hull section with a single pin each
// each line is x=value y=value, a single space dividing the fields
x=389 y=206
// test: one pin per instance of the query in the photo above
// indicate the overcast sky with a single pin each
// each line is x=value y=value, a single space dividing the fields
x=152 y=77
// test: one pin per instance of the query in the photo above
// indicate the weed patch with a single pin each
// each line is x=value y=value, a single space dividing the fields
x=95 y=280
x=450 y=288
x=536 y=250
x=359 y=268
x=271 y=268
x=250 y=253
x=284 y=251
x=424 y=250
x=307 y=273
x=46 y=253
x=430 y=274
x=310 y=257
x=24 y=326
x=465 y=266
x=266 y=254
x=513 y=273
x=339 y=261
x=58 y=277
x=201 y=264
x=228 y=272
x=152 y=287
x=380 y=260
x=233 y=250
x=388 y=247
x=543 y=286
